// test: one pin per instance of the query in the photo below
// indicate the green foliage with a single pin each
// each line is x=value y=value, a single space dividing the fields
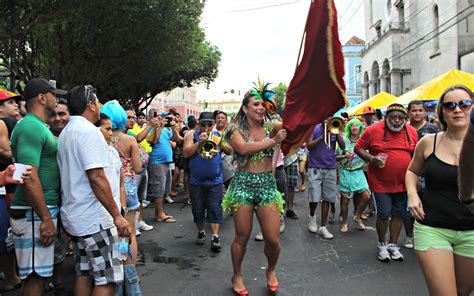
x=280 y=91
x=129 y=50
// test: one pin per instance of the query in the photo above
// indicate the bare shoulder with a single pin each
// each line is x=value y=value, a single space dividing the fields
x=3 y=127
x=426 y=144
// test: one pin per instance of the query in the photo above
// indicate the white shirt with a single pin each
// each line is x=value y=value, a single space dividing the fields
x=81 y=147
x=113 y=173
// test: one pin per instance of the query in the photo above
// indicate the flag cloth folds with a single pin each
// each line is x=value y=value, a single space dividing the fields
x=317 y=89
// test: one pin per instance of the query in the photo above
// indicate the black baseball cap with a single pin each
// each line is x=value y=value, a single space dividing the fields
x=206 y=116
x=38 y=86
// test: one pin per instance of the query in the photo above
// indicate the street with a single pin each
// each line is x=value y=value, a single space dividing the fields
x=308 y=265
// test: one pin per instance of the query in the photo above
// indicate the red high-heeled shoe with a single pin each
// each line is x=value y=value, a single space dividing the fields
x=243 y=292
x=271 y=288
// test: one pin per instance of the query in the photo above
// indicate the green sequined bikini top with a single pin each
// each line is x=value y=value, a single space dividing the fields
x=268 y=152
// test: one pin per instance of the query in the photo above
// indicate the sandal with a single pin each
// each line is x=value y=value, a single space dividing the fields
x=344 y=228
x=168 y=219
x=364 y=216
x=297 y=189
x=359 y=223
x=303 y=188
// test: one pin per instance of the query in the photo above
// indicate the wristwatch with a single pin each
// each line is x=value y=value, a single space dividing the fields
x=123 y=211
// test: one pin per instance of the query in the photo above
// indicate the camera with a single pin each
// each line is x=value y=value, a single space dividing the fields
x=168 y=121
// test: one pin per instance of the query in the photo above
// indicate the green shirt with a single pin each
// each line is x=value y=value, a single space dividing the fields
x=356 y=163
x=33 y=143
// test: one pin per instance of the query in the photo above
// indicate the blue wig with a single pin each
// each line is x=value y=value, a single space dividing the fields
x=116 y=113
x=347 y=130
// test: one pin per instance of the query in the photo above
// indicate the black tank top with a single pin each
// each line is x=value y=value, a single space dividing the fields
x=440 y=200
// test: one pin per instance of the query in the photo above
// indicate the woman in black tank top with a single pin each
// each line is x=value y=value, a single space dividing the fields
x=444 y=228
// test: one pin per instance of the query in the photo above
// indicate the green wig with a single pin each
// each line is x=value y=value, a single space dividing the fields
x=347 y=130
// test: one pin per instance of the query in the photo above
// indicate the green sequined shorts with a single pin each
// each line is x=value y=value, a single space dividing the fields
x=257 y=189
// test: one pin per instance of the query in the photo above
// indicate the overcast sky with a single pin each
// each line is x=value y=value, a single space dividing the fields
x=261 y=37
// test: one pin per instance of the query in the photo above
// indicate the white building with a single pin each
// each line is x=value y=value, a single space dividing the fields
x=412 y=41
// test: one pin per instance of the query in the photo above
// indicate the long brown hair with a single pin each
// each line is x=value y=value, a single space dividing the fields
x=239 y=121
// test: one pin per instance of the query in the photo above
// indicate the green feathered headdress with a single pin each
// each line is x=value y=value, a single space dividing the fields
x=261 y=92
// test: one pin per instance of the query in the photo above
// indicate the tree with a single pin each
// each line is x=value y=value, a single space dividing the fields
x=129 y=50
x=280 y=91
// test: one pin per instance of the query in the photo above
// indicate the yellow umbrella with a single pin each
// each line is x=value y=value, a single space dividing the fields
x=379 y=100
x=433 y=89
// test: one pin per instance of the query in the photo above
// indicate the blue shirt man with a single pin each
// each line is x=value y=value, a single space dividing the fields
x=206 y=182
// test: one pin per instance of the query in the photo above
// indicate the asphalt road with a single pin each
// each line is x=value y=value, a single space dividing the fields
x=308 y=265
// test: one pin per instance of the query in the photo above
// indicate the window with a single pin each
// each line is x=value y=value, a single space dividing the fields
x=358 y=78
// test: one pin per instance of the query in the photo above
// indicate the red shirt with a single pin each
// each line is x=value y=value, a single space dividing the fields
x=391 y=178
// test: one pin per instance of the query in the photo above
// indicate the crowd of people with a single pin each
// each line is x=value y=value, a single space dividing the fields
x=91 y=169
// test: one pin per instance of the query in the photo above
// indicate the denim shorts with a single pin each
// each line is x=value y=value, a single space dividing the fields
x=131 y=192
x=460 y=242
x=6 y=239
x=392 y=204
x=142 y=184
x=206 y=203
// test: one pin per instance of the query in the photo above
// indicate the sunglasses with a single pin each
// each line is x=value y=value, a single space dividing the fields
x=463 y=105
x=89 y=92
x=131 y=117
x=206 y=124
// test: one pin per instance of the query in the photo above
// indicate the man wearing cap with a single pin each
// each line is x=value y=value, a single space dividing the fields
x=390 y=145
x=205 y=181
x=8 y=109
x=159 y=174
x=34 y=209
x=8 y=104
x=368 y=114
x=8 y=113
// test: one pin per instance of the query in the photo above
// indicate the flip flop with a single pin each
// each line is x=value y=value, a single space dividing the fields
x=167 y=220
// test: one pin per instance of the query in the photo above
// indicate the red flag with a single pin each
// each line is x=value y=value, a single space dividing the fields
x=317 y=89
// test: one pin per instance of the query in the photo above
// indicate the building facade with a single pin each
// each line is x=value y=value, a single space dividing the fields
x=412 y=41
x=181 y=99
x=353 y=69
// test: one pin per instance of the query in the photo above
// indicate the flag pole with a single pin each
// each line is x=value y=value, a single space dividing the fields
x=278 y=150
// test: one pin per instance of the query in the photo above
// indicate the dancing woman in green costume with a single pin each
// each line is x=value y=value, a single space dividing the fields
x=253 y=188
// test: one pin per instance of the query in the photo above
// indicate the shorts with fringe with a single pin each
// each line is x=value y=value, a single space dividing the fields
x=255 y=189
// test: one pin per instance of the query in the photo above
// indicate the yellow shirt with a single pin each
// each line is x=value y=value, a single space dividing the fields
x=135 y=131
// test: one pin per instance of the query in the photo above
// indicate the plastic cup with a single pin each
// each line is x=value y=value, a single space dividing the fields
x=19 y=170
x=383 y=157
